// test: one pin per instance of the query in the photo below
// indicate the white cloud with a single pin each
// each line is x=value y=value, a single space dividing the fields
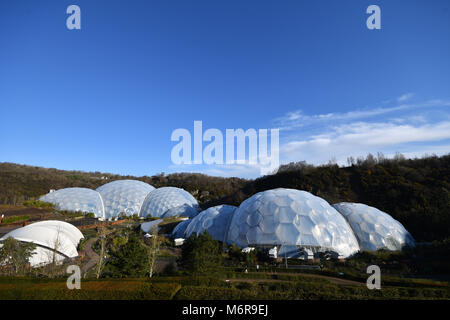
x=338 y=135
x=405 y=97
x=296 y=119
x=362 y=138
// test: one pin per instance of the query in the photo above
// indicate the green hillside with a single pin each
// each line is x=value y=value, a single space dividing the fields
x=415 y=192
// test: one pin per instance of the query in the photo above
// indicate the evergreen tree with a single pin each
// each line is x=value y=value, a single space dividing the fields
x=201 y=254
x=130 y=260
x=15 y=255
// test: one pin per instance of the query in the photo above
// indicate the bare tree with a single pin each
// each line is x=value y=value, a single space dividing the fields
x=102 y=237
x=53 y=255
x=152 y=250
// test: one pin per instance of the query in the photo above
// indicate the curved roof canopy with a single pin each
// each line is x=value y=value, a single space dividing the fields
x=159 y=201
x=374 y=228
x=124 y=197
x=291 y=217
x=76 y=199
x=72 y=232
x=49 y=236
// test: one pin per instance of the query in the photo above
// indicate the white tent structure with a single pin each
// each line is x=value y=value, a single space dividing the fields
x=53 y=239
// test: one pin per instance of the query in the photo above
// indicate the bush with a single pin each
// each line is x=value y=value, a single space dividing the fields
x=38 y=204
x=13 y=219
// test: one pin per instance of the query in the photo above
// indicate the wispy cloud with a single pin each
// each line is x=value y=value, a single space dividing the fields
x=410 y=128
x=358 y=139
x=405 y=97
x=297 y=119
x=414 y=129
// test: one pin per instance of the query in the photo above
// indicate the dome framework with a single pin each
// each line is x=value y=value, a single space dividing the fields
x=124 y=197
x=291 y=217
x=374 y=228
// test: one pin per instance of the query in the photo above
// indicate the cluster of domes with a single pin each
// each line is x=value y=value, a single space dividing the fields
x=125 y=197
x=54 y=240
x=296 y=222
x=299 y=223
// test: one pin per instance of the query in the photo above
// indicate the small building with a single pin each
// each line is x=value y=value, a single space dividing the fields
x=248 y=249
x=273 y=253
x=179 y=242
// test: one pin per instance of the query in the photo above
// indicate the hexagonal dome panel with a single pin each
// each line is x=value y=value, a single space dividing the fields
x=185 y=210
x=159 y=201
x=124 y=196
x=214 y=220
x=289 y=217
x=179 y=230
x=76 y=199
x=374 y=228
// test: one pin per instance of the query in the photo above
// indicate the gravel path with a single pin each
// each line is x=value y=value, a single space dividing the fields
x=93 y=257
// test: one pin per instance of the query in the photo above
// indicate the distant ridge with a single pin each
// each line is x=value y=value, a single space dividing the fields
x=415 y=192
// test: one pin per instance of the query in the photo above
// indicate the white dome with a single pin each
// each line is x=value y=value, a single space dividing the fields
x=185 y=210
x=159 y=201
x=48 y=236
x=179 y=230
x=124 y=196
x=214 y=220
x=291 y=217
x=374 y=228
x=76 y=199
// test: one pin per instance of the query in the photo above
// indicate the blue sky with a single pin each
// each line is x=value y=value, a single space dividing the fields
x=107 y=97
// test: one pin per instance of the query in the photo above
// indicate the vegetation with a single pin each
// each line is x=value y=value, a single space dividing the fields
x=207 y=288
x=13 y=219
x=415 y=192
x=201 y=255
x=19 y=183
x=38 y=204
x=130 y=260
x=14 y=256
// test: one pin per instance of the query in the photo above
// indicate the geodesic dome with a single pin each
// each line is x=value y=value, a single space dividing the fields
x=214 y=220
x=124 y=196
x=159 y=201
x=291 y=217
x=76 y=199
x=374 y=228
x=53 y=239
x=185 y=210
x=178 y=231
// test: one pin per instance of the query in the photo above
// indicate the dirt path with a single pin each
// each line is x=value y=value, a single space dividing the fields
x=93 y=257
